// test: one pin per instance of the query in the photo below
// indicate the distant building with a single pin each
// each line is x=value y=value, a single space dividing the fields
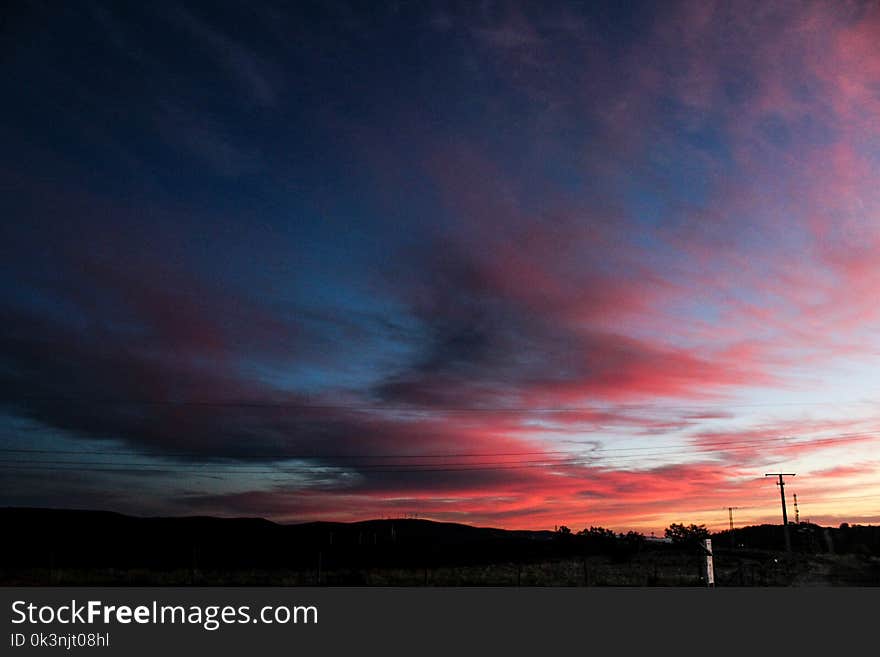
x=658 y=539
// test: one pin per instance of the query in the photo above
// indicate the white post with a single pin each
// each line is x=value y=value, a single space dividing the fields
x=710 y=566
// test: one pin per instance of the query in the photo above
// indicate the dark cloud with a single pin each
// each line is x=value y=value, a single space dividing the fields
x=485 y=342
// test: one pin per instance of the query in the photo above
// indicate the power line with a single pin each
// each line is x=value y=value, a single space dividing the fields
x=378 y=406
x=239 y=467
x=230 y=467
x=622 y=452
x=367 y=467
x=151 y=468
x=248 y=467
x=302 y=455
x=846 y=498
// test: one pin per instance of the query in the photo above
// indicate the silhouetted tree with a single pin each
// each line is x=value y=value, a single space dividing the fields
x=690 y=534
x=598 y=532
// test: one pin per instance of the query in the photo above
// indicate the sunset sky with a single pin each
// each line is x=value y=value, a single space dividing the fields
x=507 y=264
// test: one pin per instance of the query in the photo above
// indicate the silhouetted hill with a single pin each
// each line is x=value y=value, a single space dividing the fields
x=447 y=533
x=70 y=538
x=42 y=546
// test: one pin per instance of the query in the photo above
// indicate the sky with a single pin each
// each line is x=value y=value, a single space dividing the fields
x=508 y=264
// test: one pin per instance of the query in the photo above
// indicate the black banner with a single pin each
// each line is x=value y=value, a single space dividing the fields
x=407 y=621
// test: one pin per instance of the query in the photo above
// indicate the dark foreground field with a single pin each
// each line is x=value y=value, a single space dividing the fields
x=47 y=547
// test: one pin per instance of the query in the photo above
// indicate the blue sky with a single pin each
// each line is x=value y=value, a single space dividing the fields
x=593 y=264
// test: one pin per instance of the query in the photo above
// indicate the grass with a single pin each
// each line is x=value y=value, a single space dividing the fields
x=654 y=569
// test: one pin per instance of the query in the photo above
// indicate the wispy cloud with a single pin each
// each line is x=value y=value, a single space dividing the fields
x=240 y=61
x=202 y=139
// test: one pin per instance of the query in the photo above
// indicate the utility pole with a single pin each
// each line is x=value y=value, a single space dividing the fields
x=730 y=511
x=781 y=484
x=797 y=516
